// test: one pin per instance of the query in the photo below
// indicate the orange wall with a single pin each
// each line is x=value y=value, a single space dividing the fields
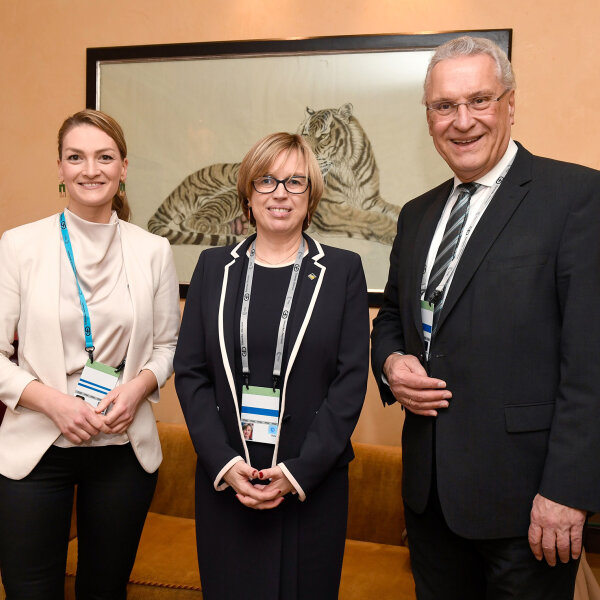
x=42 y=78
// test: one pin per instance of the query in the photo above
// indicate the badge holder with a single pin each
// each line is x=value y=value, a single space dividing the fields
x=260 y=414
x=97 y=379
x=427 y=309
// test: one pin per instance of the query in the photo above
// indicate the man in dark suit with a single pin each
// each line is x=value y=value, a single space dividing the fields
x=490 y=338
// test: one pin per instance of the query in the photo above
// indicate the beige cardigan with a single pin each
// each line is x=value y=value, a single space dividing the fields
x=29 y=301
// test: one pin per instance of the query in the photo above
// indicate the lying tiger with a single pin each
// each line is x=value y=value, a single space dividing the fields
x=204 y=207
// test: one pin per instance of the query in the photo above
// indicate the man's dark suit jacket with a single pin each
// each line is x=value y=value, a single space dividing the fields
x=518 y=344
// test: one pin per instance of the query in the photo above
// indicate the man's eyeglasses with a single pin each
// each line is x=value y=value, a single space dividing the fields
x=474 y=105
x=296 y=184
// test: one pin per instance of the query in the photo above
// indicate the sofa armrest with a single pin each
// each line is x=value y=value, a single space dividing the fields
x=375 y=508
x=174 y=493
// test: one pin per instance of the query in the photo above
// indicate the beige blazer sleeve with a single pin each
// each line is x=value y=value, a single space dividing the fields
x=13 y=379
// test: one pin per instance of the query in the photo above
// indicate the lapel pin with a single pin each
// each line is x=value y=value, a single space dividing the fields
x=312 y=276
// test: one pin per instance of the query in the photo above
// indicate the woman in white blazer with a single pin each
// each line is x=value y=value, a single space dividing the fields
x=83 y=289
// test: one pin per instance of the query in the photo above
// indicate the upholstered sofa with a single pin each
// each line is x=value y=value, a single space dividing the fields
x=376 y=563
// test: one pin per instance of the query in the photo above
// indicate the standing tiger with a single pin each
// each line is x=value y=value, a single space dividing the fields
x=204 y=208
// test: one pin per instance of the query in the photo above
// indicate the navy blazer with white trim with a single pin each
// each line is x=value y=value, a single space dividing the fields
x=325 y=382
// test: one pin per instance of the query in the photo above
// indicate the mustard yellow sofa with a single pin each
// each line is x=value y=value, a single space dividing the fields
x=376 y=563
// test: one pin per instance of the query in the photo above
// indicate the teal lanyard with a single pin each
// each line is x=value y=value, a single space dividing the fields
x=87 y=324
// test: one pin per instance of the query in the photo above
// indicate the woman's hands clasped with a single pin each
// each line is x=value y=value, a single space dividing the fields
x=77 y=420
x=258 y=496
x=125 y=400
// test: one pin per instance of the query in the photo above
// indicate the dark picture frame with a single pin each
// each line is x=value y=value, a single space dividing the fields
x=129 y=82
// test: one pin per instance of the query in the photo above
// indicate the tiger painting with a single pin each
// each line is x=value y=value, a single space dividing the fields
x=204 y=208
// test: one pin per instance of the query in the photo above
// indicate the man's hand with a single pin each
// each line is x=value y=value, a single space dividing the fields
x=555 y=526
x=412 y=387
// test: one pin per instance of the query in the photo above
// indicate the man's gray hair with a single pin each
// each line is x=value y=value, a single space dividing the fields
x=472 y=46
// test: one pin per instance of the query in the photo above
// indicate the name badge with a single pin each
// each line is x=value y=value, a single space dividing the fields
x=260 y=414
x=97 y=379
x=427 y=319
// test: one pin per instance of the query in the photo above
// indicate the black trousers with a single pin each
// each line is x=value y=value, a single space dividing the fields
x=113 y=496
x=449 y=567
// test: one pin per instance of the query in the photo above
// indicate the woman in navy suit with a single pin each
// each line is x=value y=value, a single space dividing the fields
x=274 y=334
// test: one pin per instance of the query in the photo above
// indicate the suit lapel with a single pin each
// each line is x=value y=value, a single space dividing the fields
x=46 y=333
x=230 y=290
x=311 y=279
x=309 y=284
x=422 y=243
x=506 y=200
x=141 y=294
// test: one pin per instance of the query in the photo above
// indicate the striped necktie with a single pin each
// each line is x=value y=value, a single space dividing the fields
x=448 y=245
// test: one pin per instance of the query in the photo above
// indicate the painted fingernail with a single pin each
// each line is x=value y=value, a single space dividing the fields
x=260 y=475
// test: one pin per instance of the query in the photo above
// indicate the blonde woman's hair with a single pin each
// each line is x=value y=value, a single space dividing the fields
x=260 y=159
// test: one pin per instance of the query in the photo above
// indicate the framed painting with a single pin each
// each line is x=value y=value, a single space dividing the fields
x=190 y=112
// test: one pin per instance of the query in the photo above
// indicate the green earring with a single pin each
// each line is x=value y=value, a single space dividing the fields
x=62 y=190
x=121 y=188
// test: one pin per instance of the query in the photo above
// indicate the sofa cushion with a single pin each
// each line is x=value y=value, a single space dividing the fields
x=176 y=475
x=166 y=566
x=375 y=508
x=380 y=571
x=166 y=558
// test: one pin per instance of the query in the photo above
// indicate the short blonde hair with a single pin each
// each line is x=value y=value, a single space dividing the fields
x=260 y=159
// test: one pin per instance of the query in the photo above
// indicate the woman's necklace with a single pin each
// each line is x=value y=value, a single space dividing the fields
x=274 y=264
x=264 y=260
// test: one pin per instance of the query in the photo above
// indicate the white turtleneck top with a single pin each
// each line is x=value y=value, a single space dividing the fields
x=101 y=273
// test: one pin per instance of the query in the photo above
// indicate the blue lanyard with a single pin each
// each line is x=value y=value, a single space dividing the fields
x=87 y=324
